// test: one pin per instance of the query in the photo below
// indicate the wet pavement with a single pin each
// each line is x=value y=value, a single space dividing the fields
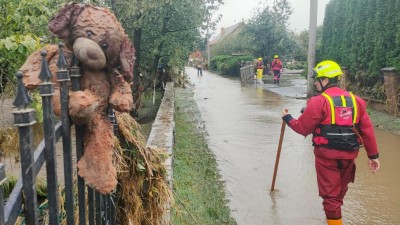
x=244 y=126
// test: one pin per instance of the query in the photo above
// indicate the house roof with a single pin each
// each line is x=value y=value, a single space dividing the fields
x=196 y=55
x=225 y=32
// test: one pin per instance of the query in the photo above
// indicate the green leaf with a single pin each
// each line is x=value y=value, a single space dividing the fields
x=7 y=43
x=21 y=49
x=140 y=167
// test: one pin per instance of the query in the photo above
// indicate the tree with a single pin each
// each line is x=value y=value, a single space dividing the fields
x=268 y=31
x=163 y=31
x=24 y=29
x=302 y=43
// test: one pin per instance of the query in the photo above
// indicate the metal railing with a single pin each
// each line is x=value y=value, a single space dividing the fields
x=94 y=208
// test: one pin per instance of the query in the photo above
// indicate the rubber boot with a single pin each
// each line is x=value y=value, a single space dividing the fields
x=335 y=222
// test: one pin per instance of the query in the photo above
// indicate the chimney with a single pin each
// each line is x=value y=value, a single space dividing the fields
x=222 y=31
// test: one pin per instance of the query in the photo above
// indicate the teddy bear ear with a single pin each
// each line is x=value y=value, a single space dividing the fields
x=65 y=18
x=127 y=58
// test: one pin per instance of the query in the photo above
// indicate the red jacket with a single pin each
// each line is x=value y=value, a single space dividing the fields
x=318 y=109
x=276 y=64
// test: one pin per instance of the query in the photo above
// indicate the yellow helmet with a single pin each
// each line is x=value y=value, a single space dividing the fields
x=276 y=56
x=260 y=58
x=328 y=69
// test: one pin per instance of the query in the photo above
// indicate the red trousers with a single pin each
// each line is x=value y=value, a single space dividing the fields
x=333 y=176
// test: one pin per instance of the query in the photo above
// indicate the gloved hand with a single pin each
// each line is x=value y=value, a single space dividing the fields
x=284 y=112
x=286 y=116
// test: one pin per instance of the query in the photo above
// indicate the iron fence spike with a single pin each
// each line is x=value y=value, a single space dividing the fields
x=45 y=73
x=62 y=62
x=22 y=98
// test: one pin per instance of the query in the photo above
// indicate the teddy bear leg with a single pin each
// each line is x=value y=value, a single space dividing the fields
x=96 y=165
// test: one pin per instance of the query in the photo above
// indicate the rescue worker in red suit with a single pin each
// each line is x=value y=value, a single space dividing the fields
x=276 y=68
x=340 y=125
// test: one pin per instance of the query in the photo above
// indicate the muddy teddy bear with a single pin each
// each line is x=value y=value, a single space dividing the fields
x=106 y=58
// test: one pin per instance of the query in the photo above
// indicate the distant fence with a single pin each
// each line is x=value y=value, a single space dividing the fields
x=382 y=94
x=246 y=74
x=93 y=207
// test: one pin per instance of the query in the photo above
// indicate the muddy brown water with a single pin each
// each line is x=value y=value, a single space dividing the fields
x=244 y=125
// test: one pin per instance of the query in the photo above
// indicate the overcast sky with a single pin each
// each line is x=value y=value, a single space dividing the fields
x=234 y=11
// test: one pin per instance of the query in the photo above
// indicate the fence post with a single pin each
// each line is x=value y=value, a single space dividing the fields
x=2 y=180
x=110 y=202
x=242 y=76
x=98 y=207
x=24 y=118
x=91 y=206
x=46 y=91
x=63 y=79
x=391 y=85
x=75 y=72
x=344 y=80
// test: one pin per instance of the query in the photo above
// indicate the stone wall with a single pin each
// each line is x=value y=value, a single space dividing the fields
x=391 y=85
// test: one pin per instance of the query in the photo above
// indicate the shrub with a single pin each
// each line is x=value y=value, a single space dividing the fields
x=228 y=64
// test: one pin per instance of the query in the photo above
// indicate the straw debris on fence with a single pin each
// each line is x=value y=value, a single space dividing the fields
x=142 y=191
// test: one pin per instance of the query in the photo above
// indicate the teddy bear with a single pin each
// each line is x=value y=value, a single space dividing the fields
x=106 y=57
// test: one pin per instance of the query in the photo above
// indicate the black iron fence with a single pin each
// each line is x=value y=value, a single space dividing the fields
x=92 y=207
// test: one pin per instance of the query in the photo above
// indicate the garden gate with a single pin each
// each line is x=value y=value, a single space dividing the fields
x=93 y=208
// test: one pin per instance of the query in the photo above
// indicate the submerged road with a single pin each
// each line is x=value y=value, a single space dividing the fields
x=244 y=124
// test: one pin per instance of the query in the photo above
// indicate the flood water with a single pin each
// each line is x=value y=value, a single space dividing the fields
x=244 y=125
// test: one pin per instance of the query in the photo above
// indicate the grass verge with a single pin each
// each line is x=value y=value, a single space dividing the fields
x=198 y=189
x=385 y=121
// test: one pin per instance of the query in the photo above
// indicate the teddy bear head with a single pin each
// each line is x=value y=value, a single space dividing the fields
x=96 y=38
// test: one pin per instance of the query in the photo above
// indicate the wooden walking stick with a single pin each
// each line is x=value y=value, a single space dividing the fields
x=278 y=154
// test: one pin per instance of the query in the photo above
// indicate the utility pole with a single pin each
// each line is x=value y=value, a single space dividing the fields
x=312 y=40
x=208 y=36
x=208 y=46
x=208 y=40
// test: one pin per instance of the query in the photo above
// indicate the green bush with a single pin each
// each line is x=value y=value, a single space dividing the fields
x=228 y=64
x=298 y=65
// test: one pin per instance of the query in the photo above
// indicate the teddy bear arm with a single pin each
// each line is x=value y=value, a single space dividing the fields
x=121 y=98
x=82 y=105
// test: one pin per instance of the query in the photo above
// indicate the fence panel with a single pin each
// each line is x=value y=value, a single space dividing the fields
x=101 y=209
x=246 y=74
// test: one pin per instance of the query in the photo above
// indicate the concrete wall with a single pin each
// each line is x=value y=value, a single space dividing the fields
x=162 y=136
